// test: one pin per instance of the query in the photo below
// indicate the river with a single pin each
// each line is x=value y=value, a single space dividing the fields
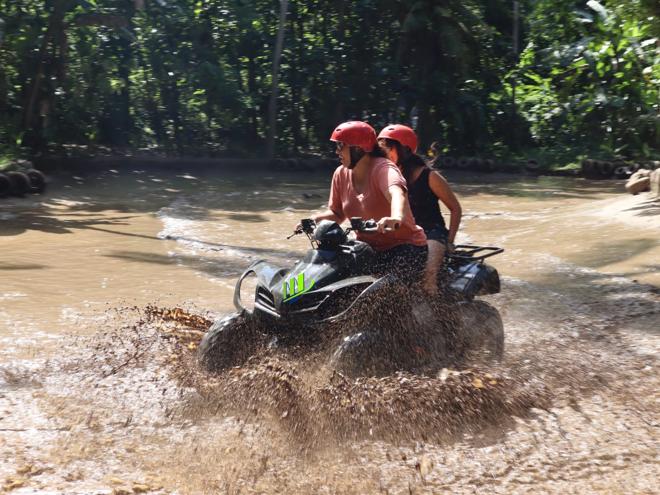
x=89 y=402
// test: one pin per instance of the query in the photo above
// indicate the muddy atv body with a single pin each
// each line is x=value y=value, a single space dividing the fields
x=334 y=285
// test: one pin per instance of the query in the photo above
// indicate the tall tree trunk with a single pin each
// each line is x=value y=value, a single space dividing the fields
x=297 y=81
x=340 y=77
x=124 y=120
x=2 y=30
x=3 y=81
x=55 y=25
x=252 y=89
x=272 y=104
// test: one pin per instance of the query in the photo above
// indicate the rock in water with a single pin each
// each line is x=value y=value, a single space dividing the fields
x=639 y=182
x=20 y=183
x=37 y=181
x=655 y=183
x=5 y=185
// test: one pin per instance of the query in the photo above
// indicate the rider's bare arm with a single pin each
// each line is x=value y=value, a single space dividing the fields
x=397 y=198
x=442 y=190
x=327 y=215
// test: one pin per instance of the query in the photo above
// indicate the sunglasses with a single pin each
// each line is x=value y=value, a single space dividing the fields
x=339 y=145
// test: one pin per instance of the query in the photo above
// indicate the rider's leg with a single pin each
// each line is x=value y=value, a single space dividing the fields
x=437 y=239
x=434 y=261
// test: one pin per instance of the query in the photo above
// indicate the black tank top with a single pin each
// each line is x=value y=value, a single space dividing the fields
x=424 y=203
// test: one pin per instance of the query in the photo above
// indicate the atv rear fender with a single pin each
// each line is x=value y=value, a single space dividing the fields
x=475 y=279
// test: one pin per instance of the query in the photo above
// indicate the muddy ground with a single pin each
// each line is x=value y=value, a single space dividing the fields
x=573 y=411
x=114 y=402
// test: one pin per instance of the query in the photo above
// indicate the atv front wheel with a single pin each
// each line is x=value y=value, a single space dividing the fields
x=482 y=330
x=229 y=342
x=361 y=354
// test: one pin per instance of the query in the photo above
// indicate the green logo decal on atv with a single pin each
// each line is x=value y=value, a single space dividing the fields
x=295 y=287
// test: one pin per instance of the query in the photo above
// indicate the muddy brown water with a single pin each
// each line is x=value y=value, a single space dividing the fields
x=98 y=392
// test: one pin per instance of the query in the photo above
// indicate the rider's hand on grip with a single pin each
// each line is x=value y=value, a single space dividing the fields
x=306 y=225
x=388 y=224
x=359 y=225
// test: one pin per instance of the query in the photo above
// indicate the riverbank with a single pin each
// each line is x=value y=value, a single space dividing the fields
x=83 y=160
x=535 y=162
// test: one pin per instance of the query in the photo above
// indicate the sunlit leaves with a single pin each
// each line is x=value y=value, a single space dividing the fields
x=597 y=79
x=599 y=9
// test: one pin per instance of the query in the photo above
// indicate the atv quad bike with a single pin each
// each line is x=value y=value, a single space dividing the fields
x=335 y=285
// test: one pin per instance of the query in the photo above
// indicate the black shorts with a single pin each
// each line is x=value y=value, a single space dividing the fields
x=438 y=233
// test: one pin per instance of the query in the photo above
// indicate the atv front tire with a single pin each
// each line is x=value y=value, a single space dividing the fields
x=229 y=342
x=361 y=354
x=482 y=330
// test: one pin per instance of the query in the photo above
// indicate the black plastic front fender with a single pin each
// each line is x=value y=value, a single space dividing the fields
x=266 y=275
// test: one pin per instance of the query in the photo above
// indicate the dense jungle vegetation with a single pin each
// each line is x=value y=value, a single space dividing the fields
x=264 y=77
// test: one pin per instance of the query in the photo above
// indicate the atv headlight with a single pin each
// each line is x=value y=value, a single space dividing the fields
x=248 y=291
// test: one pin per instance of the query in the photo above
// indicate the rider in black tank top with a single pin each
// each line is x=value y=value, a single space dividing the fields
x=426 y=209
x=426 y=188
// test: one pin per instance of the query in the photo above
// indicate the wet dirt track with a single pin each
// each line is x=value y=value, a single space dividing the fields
x=98 y=393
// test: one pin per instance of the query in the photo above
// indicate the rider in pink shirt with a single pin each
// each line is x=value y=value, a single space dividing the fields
x=373 y=201
x=368 y=185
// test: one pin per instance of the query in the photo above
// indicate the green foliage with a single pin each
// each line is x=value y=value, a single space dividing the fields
x=194 y=76
x=595 y=82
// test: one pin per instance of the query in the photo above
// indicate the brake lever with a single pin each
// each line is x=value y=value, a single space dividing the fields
x=295 y=232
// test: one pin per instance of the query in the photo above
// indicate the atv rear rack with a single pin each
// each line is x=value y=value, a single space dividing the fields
x=467 y=252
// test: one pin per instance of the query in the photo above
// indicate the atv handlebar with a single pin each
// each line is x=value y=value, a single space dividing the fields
x=308 y=225
x=359 y=225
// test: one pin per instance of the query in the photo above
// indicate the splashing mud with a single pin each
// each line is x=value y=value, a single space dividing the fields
x=281 y=422
x=140 y=380
x=317 y=405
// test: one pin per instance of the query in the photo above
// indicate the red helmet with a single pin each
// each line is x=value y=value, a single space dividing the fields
x=355 y=133
x=401 y=133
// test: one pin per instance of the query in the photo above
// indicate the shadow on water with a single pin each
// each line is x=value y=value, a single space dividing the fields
x=244 y=196
x=614 y=251
x=647 y=208
x=538 y=188
x=246 y=217
x=30 y=266
x=45 y=221
x=603 y=303
x=654 y=269
x=247 y=191
x=211 y=266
